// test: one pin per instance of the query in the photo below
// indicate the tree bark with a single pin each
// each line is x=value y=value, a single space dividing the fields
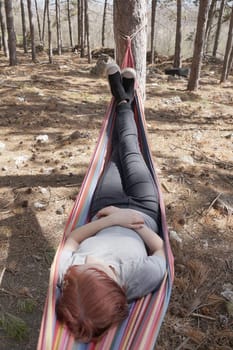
x=226 y=67
x=58 y=26
x=103 y=23
x=230 y=62
x=49 y=33
x=211 y=14
x=130 y=19
x=177 y=57
x=38 y=21
x=24 y=30
x=69 y=23
x=11 y=32
x=3 y=30
x=32 y=32
x=198 y=46
x=44 y=19
x=79 y=18
x=230 y=65
x=152 y=38
x=82 y=36
x=216 y=41
x=87 y=31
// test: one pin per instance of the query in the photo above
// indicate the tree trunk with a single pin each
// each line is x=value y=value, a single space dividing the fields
x=177 y=57
x=230 y=62
x=32 y=32
x=227 y=51
x=49 y=33
x=3 y=30
x=44 y=19
x=38 y=21
x=58 y=26
x=198 y=46
x=69 y=23
x=79 y=17
x=211 y=14
x=130 y=19
x=87 y=31
x=24 y=30
x=104 y=21
x=11 y=32
x=216 y=41
x=82 y=36
x=152 y=38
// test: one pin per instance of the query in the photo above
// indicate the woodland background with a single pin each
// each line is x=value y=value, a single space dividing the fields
x=53 y=97
x=69 y=24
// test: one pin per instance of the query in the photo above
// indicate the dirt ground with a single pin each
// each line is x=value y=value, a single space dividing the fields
x=50 y=117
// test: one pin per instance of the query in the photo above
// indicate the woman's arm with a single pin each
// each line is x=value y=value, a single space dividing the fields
x=151 y=240
x=109 y=216
x=85 y=231
x=132 y=219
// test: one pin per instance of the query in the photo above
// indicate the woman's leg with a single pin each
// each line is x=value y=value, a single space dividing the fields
x=126 y=181
x=109 y=190
x=138 y=182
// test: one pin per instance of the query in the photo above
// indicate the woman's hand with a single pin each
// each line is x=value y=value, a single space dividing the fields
x=107 y=211
x=123 y=217
x=129 y=218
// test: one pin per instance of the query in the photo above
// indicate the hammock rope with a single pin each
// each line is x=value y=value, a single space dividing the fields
x=140 y=330
x=127 y=37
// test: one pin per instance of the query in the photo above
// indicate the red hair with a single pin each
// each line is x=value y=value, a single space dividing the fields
x=91 y=302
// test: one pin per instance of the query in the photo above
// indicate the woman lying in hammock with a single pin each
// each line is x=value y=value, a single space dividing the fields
x=118 y=256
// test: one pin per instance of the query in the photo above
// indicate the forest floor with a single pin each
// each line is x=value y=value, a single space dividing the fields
x=50 y=118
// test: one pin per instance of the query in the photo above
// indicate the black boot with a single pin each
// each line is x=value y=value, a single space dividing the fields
x=115 y=82
x=128 y=81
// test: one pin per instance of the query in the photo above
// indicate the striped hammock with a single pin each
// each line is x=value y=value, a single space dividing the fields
x=140 y=330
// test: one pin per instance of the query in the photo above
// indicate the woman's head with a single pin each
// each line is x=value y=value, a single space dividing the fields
x=91 y=302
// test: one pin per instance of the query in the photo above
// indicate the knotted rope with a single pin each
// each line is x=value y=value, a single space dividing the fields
x=128 y=60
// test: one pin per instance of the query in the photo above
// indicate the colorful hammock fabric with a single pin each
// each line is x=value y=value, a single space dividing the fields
x=140 y=330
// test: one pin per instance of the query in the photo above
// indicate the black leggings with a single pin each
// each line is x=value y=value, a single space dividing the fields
x=126 y=181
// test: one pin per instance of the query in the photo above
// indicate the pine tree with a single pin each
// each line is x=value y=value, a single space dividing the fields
x=130 y=19
x=3 y=30
x=11 y=32
x=198 y=45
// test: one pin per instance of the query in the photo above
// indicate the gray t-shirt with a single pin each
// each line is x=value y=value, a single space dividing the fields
x=125 y=251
